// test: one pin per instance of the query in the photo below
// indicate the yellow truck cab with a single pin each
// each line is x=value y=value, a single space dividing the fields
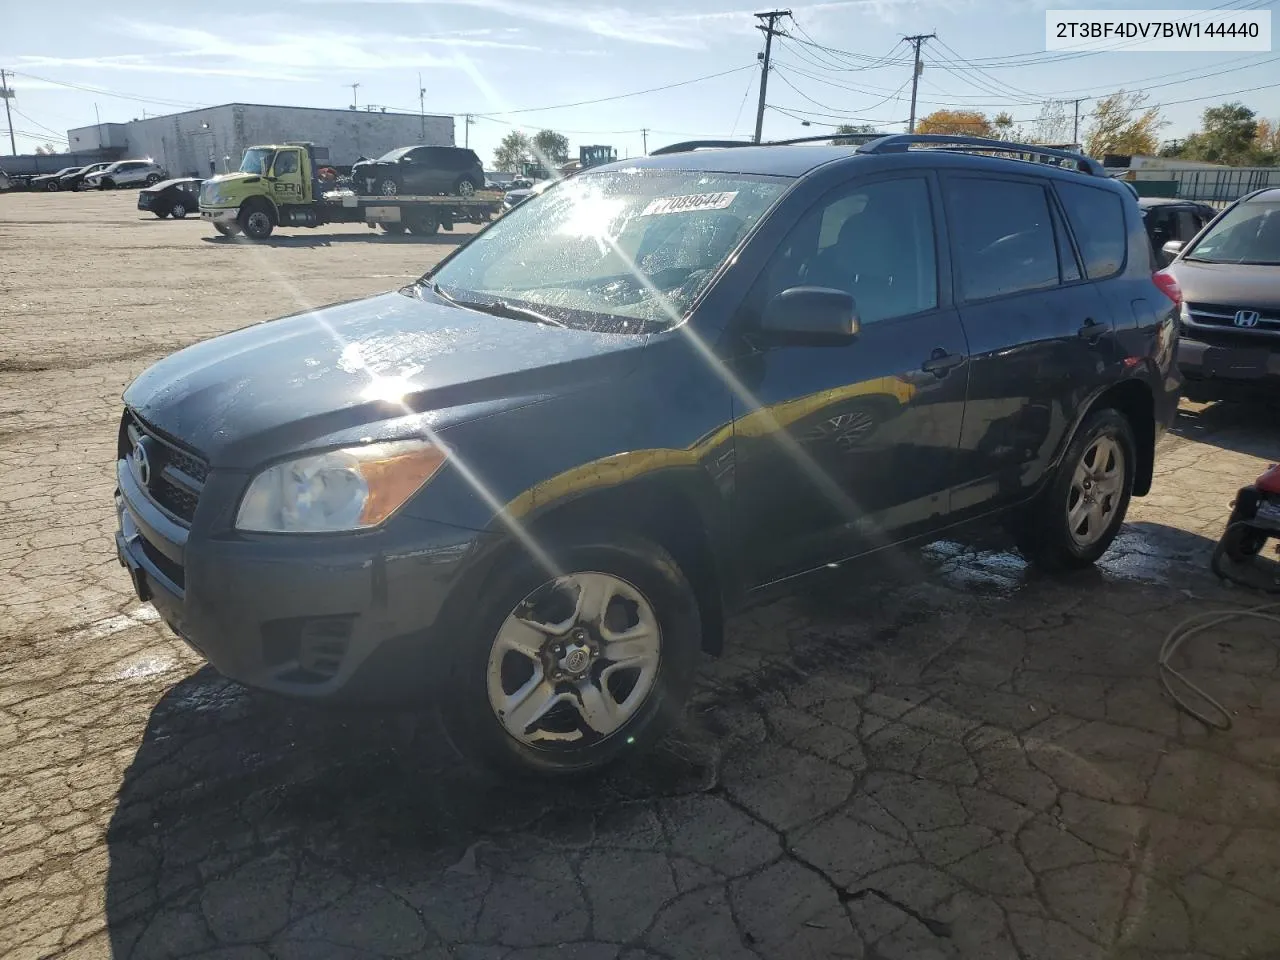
x=279 y=185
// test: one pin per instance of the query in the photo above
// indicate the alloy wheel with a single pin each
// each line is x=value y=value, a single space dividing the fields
x=574 y=661
x=1096 y=489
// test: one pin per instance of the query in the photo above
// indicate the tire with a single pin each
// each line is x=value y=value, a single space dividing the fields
x=178 y=210
x=52 y=186
x=152 y=179
x=465 y=187
x=1063 y=534
x=161 y=214
x=256 y=221
x=386 y=187
x=106 y=184
x=227 y=229
x=424 y=224
x=639 y=573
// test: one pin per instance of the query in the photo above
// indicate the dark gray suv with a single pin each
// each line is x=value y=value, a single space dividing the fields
x=423 y=171
x=529 y=487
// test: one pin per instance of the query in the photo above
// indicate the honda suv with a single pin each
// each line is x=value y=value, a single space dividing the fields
x=1230 y=275
x=528 y=487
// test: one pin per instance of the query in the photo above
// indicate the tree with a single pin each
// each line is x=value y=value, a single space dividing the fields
x=968 y=122
x=1226 y=136
x=512 y=151
x=47 y=150
x=853 y=128
x=1123 y=124
x=1266 y=143
x=550 y=147
x=1054 y=124
x=1003 y=124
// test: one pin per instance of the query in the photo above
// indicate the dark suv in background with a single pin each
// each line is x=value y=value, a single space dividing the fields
x=1230 y=277
x=528 y=487
x=420 y=170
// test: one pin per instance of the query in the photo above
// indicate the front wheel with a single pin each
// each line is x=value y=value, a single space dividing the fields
x=256 y=222
x=227 y=229
x=1073 y=522
x=105 y=184
x=567 y=672
x=152 y=179
x=386 y=187
x=52 y=186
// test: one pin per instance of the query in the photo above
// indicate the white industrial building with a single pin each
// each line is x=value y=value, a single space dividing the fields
x=213 y=139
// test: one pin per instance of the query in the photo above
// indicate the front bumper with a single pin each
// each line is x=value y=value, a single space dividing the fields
x=346 y=618
x=1212 y=370
x=223 y=215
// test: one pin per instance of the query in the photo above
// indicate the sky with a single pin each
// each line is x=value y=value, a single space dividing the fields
x=505 y=61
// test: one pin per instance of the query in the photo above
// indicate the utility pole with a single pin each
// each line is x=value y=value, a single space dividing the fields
x=354 y=103
x=768 y=27
x=422 y=105
x=466 y=130
x=1075 y=125
x=6 y=94
x=917 y=41
x=644 y=138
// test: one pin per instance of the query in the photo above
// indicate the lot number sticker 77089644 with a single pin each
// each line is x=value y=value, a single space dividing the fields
x=689 y=203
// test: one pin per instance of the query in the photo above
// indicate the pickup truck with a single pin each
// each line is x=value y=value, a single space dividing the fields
x=282 y=185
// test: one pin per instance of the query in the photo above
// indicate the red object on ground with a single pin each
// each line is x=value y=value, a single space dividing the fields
x=1269 y=482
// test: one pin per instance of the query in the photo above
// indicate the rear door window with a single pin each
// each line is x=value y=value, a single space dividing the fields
x=1002 y=235
x=1097 y=219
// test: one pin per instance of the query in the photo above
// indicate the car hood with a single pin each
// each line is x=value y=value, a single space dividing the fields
x=370 y=368
x=1229 y=284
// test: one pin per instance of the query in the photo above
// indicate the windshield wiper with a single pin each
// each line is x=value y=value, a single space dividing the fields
x=498 y=308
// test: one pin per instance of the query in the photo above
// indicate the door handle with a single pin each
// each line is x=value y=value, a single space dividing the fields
x=1091 y=330
x=940 y=362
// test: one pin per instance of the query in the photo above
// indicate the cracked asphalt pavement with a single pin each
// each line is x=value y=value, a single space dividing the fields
x=946 y=756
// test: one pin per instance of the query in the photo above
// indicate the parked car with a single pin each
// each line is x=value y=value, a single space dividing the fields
x=513 y=198
x=1167 y=219
x=50 y=181
x=175 y=198
x=420 y=170
x=125 y=173
x=75 y=179
x=1230 y=278
x=528 y=487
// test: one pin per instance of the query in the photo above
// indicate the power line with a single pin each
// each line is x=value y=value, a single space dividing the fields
x=619 y=96
x=836 y=110
x=769 y=27
x=112 y=93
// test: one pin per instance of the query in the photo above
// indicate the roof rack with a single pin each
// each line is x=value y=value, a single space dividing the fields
x=844 y=138
x=902 y=142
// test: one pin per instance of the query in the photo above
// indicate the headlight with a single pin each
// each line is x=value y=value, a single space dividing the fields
x=350 y=489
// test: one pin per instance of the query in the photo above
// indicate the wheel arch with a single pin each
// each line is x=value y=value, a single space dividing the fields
x=679 y=509
x=1134 y=399
x=254 y=202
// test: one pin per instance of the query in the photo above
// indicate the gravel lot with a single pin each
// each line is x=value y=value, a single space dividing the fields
x=947 y=757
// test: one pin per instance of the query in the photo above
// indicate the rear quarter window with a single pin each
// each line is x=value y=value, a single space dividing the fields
x=1097 y=220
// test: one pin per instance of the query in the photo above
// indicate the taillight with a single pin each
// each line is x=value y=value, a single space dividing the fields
x=1269 y=482
x=1168 y=285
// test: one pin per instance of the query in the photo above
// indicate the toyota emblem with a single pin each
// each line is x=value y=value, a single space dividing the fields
x=1247 y=318
x=141 y=463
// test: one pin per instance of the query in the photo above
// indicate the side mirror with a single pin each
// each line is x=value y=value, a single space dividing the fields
x=1172 y=249
x=811 y=316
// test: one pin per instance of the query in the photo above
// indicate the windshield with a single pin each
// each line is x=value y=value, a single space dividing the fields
x=256 y=160
x=1250 y=233
x=615 y=251
x=393 y=155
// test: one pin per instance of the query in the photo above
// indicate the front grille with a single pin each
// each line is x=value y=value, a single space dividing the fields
x=175 y=476
x=1223 y=317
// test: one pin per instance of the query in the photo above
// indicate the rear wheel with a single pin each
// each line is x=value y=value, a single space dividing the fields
x=52 y=186
x=152 y=179
x=465 y=187
x=256 y=221
x=392 y=228
x=565 y=674
x=179 y=210
x=1073 y=522
x=386 y=187
x=161 y=214
x=424 y=224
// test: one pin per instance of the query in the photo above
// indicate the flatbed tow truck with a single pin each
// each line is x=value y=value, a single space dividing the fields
x=281 y=185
